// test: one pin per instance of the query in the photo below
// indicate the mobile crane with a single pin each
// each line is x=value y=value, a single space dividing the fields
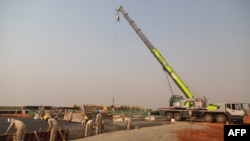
x=181 y=108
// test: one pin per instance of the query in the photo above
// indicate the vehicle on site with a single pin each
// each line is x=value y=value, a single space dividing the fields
x=183 y=108
x=227 y=111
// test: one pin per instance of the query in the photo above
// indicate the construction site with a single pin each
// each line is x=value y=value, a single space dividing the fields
x=113 y=124
x=37 y=128
x=187 y=116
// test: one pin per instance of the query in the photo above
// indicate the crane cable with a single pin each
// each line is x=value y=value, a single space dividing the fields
x=170 y=86
x=114 y=57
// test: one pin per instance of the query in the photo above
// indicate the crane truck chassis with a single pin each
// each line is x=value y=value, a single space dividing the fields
x=228 y=112
x=190 y=107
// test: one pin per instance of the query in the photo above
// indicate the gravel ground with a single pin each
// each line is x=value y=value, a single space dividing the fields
x=163 y=132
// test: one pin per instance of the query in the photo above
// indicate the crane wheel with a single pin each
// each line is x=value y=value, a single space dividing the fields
x=220 y=119
x=208 y=118
x=169 y=116
x=177 y=116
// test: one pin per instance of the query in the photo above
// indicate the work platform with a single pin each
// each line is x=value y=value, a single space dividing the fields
x=62 y=135
x=36 y=130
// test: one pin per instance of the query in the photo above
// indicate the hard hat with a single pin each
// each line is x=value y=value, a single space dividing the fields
x=46 y=117
x=12 y=119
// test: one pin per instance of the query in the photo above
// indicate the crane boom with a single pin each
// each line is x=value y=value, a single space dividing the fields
x=166 y=67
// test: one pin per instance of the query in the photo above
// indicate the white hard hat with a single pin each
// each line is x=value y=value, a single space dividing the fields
x=12 y=119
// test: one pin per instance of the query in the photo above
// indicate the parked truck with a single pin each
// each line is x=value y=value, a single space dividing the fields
x=182 y=108
x=227 y=111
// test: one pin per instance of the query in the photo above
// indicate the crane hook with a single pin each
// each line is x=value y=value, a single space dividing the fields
x=117 y=16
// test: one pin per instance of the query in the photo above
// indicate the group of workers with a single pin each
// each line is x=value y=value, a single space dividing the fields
x=89 y=124
x=96 y=123
x=21 y=128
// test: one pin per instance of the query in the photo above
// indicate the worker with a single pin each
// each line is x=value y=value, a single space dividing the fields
x=128 y=122
x=53 y=126
x=20 y=129
x=41 y=112
x=70 y=116
x=83 y=112
x=84 y=121
x=89 y=128
x=39 y=108
x=98 y=122
x=102 y=128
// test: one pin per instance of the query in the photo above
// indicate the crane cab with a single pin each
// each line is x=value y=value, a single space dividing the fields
x=178 y=101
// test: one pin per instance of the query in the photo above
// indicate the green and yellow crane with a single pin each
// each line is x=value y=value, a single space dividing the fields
x=180 y=107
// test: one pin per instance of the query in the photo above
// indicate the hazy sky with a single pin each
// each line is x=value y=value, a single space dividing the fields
x=64 y=52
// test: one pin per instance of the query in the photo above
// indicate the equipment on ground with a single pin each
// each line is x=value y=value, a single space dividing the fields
x=181 y=108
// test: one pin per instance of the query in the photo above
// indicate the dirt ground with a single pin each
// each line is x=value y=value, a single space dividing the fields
x=181 y=131
x=212 y=132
